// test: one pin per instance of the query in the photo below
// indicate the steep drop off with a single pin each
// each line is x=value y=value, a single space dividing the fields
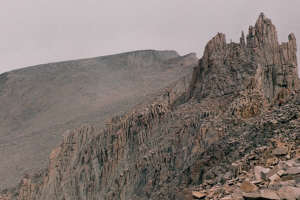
x=242 y=96
x=39 y=103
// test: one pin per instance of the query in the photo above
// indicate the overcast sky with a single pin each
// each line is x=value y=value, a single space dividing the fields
x=42 y=31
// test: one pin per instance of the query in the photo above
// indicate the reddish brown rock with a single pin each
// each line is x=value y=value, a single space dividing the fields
x=248 y=187
x=198 y=195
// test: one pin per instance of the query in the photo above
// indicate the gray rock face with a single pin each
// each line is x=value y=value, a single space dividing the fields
x=242 y=97
x=230 y=68
x=39 y=103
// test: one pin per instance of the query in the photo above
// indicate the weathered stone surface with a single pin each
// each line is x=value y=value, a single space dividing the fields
x=40 y=103
x=239 y=107
x=248 y=187
x=263 y=194
x=272 y=66
x=289 y=193
x=260 y=172
x=274 y=178
x=281 y=173
x=293 y=171
x=198 y=195
x=280 y=151
x=269 y=194
x=254 y=195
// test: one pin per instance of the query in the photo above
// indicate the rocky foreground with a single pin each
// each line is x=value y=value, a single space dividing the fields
x=233 y=133
x=274 y=174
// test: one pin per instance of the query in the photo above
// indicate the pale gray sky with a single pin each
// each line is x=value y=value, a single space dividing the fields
x=42 y=31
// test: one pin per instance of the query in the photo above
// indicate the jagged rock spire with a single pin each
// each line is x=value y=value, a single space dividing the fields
x=217 y=43
x=292 y=47
x=159 y=151
x=227 y=68
x=242 y=40
x=262 y=34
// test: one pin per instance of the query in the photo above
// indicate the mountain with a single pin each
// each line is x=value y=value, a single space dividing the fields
x=38 y=104
x=241 y=110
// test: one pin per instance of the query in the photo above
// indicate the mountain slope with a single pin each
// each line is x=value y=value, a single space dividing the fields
x=241 y=96
x=39 y=103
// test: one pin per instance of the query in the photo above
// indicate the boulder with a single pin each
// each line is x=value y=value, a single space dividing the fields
x=289 y=193
x=293 y=171
x=246 y=186
x=198 y=195
x=260 y=172
x=280 y=151
x=263 y=194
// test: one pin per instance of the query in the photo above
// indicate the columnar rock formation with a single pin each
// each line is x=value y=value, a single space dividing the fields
x=39 y=103
x=228 y=68
x=241 y=97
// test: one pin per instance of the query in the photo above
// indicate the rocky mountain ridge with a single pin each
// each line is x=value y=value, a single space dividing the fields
x=193 y=137
x=271 y=65
x=39 y=103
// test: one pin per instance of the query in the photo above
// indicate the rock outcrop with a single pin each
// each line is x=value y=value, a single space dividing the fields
x=262 y=63
x=267 y=172
x=193 y=137
x=39 y=103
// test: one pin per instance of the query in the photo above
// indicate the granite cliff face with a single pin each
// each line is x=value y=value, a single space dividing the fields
x=241 y=98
